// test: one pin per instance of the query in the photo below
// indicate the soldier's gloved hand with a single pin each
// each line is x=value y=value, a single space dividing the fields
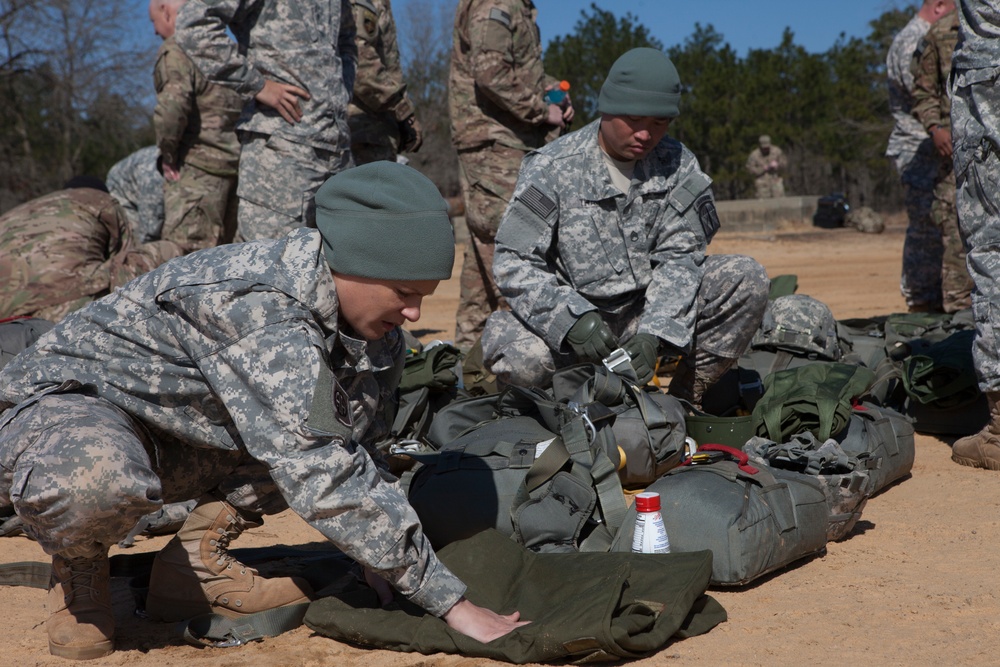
x=644 y=349
x=411 y=135
x=590 y=338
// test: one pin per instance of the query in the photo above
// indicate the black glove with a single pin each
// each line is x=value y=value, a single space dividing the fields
x=411 y=135
x=644 y=349
x=590 y=338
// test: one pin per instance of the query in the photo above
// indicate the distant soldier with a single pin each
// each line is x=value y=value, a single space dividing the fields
x=913 y=154
x=766 y=162
x=294 y=65
x=498 y=112
x=137 y=185
x=932 y=107
x=381 y=114
x=61 y=251
x=195 y=123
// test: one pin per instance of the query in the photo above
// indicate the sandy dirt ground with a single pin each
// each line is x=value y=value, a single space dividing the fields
x=916 y=583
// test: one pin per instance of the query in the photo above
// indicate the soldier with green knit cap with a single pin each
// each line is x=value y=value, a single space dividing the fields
x=603 y=246
x=255 y=377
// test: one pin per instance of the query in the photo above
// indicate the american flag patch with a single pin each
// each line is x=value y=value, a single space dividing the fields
x=537 y=202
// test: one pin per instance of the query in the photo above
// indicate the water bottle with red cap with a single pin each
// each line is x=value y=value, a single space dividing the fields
x=650 y=535
x=557 y=94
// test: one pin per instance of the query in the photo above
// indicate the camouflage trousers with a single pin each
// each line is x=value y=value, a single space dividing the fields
x=956 y=284
x=488 y=177
x=373 y=137
x=200 y=209
x=975 y=113
x=920 y=283
x=769 y=186
x=731 y=301
x=80 y=473
x=278 y=181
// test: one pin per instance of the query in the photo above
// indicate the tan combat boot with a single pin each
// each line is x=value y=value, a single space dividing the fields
x=194 y=573
x=81 y=625
x=982 y=450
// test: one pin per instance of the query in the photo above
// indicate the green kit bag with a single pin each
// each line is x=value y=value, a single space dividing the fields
x=815 y=398
x=584 y=608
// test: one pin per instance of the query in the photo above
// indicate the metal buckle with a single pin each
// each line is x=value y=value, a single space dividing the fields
x=618 y=361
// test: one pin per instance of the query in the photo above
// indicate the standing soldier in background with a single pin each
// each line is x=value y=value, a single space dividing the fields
x=913 y=154
x=195 y=123
x=931 y=67
x=381 y=114
x=975 y=108
x=293 y=64
x=498 y=113
x=136 y=184
x=766 y=162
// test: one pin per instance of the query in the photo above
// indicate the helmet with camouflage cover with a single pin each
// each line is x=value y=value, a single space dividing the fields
x=801 y=325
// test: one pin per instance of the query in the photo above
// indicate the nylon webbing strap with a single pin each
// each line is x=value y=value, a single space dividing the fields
x=26 y=573
x=220 y=631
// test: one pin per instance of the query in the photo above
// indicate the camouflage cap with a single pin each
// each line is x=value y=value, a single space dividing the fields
x=764 y=141
x=642 y=82
x=385 y=220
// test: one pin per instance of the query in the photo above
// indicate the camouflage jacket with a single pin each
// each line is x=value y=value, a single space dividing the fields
x=309 y=44
x=497 y=83
x=240 y=347
x=63 y=250
x=759 y=164
x=195 y=120
x=136 y=184
x=571 y=242
x=931 y=67
x=980 y=45
x=907 y=133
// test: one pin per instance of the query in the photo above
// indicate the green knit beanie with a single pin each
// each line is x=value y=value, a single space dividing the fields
x=642 y=82
x=385 y=220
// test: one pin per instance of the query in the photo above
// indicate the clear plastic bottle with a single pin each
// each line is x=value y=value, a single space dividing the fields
x=650 y=535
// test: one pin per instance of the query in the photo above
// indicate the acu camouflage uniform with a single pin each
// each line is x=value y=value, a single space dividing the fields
x=62 y=251
x=195 y=123
x=916 y=161
x=380 y=102
x=227 y=372
x=975 y=112
x=309 y=44
x=768 y=182
x=137 y=185
x=495 y=99
x=932 y=107
x=571 y=242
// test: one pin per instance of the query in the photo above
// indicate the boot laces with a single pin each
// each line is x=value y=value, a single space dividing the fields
x=83 y=573
x=221 y=545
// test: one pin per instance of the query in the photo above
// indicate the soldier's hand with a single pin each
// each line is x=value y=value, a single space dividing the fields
x=171 y=173
x=555 y=116
x=941 y=136
x=644 y=349
x=411 y=135
x=590 y=338
x=567 y=110
x=284 y=98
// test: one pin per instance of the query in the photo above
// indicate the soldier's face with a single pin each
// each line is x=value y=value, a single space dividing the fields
x=631 y=137
x=373 y=307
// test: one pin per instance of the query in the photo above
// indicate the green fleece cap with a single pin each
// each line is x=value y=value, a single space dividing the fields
x=387 y=221
x=642 y=82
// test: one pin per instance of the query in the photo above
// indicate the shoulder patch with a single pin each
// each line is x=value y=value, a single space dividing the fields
x=497 y=14
x=707 y=215
x=537 y=202
x=331 y=407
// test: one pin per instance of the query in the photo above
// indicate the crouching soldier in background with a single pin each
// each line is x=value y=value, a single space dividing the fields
x=603 y=245
x=255 y=377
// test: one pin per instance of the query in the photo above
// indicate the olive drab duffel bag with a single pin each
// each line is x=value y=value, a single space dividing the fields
x=535 y=469
x=886 y=435
x=753 y=519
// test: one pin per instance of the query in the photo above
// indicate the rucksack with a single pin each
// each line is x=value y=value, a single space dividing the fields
x=831 y=210
x=884 y=434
